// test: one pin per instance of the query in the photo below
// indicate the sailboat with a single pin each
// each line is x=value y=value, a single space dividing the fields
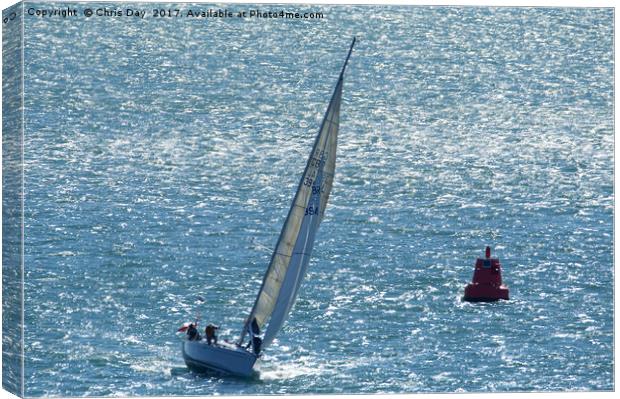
x=289 y=260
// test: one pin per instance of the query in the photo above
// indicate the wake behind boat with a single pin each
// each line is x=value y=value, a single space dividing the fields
x=289 y=260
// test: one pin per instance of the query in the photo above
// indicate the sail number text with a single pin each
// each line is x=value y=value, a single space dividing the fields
x=312 y=210
x=315 y=188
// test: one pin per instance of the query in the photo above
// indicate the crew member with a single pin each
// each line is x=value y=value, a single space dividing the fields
x=192 y=333
x=255 y=340
x=210 y=333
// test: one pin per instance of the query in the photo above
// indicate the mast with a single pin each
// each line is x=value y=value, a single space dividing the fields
x=346 y=61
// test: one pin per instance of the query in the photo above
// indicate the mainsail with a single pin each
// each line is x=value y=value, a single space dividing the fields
x=292 y=253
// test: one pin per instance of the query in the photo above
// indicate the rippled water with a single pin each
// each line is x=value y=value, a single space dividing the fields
x=162 y=156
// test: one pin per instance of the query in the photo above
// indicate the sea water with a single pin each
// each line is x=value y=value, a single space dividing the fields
x=162 y=154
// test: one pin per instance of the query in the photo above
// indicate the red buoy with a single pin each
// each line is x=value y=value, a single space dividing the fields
x=486 y=284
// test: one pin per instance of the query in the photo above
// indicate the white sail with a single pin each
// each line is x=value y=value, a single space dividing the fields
x=290 y=259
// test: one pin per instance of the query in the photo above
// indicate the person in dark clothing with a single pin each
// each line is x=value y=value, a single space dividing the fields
x=255 y=341
x=210 y=334
x=192 y=333
x=256 y=344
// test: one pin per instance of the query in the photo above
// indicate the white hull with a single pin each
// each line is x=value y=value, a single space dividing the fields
x=230 y=359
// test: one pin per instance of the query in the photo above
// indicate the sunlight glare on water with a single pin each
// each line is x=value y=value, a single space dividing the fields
x=162 y=157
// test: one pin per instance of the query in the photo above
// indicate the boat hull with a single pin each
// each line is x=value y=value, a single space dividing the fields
x=202 y=358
